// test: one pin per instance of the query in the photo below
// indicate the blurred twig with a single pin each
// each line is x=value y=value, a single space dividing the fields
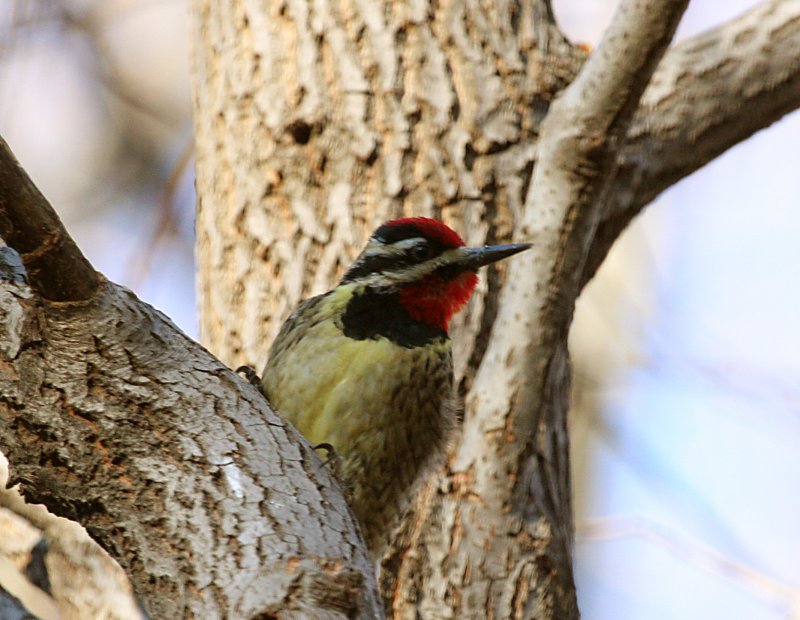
x=695 y=553
x=167 y=224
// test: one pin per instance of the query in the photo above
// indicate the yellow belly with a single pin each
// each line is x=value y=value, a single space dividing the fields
x=384 y=408
x=335 y=389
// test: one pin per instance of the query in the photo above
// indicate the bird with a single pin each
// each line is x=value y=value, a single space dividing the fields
x=366 y=369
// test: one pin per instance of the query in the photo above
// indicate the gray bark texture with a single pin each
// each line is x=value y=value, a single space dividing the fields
x=314 y=122
x=317 y=121
x=111 y=417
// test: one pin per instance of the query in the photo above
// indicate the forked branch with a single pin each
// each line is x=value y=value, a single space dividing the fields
x=708 y=94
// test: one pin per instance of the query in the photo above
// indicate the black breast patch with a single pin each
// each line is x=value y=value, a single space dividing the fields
x=370 y=315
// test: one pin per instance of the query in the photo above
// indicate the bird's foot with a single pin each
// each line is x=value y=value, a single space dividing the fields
x=252 y=377
x=332 y=458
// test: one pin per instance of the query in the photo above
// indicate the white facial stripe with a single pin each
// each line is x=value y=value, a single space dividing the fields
x=378 y=249
x=407 y=244
x=414 y=272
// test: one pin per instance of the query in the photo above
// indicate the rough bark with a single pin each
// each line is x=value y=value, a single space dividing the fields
x=355 y=112
x=56 y=268
x=111 y=417
x=69 y=577
x=502 y=519
x=315 y=121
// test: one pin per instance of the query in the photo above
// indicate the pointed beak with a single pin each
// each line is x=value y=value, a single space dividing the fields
x=478 y=257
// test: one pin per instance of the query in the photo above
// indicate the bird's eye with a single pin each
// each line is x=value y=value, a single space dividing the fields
x=422 y=251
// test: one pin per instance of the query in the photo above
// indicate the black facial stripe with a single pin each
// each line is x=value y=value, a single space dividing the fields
x=450 y=271
x=393 y=234
x=400 y=232
x=376 y=264
x=370 y=315
x=379 y=263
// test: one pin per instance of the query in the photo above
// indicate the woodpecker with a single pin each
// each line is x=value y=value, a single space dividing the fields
x=367 y=367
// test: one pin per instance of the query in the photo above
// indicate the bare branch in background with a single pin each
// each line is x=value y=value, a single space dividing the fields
x=709 y=93
x=141 y=263
x=696 y=554
x=57 y=270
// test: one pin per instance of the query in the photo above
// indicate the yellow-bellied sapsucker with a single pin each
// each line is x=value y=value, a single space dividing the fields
x=367 y=366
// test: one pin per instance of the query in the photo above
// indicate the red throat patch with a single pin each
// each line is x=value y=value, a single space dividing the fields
x=435 y=300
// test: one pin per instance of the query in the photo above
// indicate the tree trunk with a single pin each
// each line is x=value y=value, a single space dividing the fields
x=382 y=111
x=314 y=122
x=317 y=122
x=110 y=416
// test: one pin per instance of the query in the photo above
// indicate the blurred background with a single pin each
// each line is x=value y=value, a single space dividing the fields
x=686 y=417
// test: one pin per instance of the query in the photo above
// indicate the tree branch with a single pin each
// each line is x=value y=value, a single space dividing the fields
x=56 y=268
x=708 y=94
x=216 y=507
x=513 y=454
x=585 y=122
x=579 y=137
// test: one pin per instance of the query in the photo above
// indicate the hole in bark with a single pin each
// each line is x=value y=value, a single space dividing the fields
x=372 y=158
x=469 y=156
x=300 y=132
x=527 y=175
